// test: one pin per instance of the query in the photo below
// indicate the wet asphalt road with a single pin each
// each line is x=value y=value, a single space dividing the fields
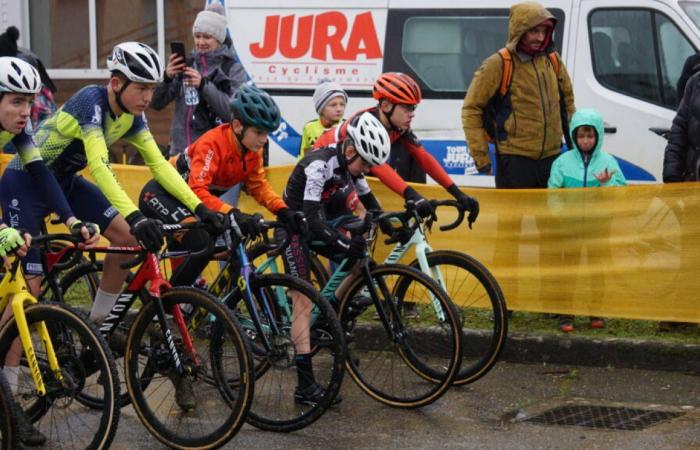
x=481 y=415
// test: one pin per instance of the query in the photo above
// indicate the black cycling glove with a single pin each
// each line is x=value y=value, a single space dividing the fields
x=211 y=218
x=466 y=202
x=147 y=231
x=420 y=203
x=248 y=224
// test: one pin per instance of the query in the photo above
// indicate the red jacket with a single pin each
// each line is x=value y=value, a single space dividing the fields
x=216 y=160
x=386 y=173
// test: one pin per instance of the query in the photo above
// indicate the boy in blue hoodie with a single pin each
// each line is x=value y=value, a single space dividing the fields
x=586 y=165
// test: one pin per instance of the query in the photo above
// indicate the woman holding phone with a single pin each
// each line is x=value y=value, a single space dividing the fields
x=212 y=69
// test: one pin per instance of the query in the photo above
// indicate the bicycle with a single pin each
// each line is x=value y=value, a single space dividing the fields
x=262 y=304
x=468 y=283
x=162 y=349
x=423 y=354
x=64 y=361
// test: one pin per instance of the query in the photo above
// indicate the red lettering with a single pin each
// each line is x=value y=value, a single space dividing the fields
x=324 y=36
x=363 y=38
x=287 y=49
x=269 y=46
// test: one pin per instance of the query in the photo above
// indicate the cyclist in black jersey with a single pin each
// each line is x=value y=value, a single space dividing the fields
x=321 y=183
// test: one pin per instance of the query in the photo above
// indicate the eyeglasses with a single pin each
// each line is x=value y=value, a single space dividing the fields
x=407 y=107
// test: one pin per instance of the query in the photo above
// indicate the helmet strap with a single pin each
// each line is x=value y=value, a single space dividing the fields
x=239 y=136
x=118 y=96
x=388 y=115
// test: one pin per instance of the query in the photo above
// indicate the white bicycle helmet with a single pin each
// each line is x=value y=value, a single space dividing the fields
x=18 y=76
x=370 y=137
x=138 y=62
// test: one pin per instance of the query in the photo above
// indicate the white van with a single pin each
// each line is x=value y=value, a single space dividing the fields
x=624 y=57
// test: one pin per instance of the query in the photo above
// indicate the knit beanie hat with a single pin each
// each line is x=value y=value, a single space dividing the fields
x=8 y=42
x=212 y=23
x=325 y=92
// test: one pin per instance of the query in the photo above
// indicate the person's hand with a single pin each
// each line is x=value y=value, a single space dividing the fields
x=470 y=204
x=211 y=218
x=148 y=232
x=604 y=176
x=358 y=247
x=248 y=224
x=176 y=64
x=88 y=231
x=422 y=206
x=486 y=169
x=193 y=77
x=292 y=219
x=11 y=242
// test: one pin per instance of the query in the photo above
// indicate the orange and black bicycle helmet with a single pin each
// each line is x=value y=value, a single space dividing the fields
x=396 y=87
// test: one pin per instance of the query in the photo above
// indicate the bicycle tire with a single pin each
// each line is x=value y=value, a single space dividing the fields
x=391 y=367
x=8 y=417
x=476 y=294
x=86 y=364
x=78 y=288
x=225 y=403
x=274 y=407
x=48 y=290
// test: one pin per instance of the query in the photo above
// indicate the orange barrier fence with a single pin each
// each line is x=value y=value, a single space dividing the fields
x=616 y=252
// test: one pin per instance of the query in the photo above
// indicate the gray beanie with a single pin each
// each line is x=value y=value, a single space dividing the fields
x=325 y=92
x=211 y=23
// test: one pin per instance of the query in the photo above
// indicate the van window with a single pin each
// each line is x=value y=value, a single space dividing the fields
x=638 y=52
x=442 y=48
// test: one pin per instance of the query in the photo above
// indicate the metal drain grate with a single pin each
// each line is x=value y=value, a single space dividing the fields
x=608 y=417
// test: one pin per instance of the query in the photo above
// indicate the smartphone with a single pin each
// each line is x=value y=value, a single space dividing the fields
x=178 y=48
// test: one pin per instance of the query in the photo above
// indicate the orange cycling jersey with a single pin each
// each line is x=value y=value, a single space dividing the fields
x=386 y=174
x=217 y=162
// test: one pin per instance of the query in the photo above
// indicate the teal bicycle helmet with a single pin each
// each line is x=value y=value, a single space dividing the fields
x=254 y=107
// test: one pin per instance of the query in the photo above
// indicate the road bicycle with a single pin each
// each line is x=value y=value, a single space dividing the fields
x=64 y=363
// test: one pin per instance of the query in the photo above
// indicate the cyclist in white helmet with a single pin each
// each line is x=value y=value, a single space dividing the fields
x=19 y=83
x=324 y=184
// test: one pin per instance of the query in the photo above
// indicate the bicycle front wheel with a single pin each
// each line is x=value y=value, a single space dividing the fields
x=401 y=360
x=86 y=368
x=479 y=299
x=205 y=406
x=277 y=405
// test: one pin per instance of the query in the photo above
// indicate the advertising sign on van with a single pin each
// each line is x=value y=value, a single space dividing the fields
x=287 y=49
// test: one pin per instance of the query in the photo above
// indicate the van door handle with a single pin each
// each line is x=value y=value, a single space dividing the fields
x=609 y=129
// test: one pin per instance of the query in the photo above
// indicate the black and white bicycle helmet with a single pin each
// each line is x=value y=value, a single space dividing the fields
x=138 y=62
x=18 y=76
x=370 y=137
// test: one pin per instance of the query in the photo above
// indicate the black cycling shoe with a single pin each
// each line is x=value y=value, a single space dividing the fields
x=312 y=395
x=28 y=434
x=357 y=306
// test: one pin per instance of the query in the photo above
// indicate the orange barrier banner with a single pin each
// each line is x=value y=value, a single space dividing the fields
x=628 y=252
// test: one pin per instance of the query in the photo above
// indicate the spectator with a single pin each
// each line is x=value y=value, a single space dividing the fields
x=216 y=72
x=690 y=67
x=586 y=165
x=329 y=100
x=44 y=104
x=527 y=122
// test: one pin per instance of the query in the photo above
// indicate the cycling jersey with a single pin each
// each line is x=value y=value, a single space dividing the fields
x=385 y=172
x=41 y=177
x=78 y=135
x=216 y=162
x=314 y=180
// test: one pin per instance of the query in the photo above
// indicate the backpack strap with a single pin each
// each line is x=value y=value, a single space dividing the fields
x=555 y=61
x=507 y=75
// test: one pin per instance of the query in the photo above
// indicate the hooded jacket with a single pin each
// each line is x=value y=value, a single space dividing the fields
x=682 y=156
x=222 y=75
x=534 y=128
x=575 y=168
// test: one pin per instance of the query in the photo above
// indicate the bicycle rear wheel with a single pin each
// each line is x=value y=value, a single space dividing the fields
x=479 y=299
x=8 y=418
x=275 y=407
x=406 y=362
x=86 y=367
x=219 y=374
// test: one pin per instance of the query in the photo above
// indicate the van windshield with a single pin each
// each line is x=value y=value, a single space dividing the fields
x=693 y=11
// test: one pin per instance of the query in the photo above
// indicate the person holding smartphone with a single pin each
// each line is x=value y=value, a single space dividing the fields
x=212 y=68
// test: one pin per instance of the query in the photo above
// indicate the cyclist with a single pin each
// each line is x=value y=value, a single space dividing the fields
x=19 y=84
x=319 y=183
x=398 y=95
x=221 y=158
x=77 y=136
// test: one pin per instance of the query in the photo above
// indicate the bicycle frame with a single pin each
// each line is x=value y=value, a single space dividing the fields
x=14 y=291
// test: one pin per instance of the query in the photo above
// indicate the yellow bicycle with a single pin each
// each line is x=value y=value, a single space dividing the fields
x=63 y=363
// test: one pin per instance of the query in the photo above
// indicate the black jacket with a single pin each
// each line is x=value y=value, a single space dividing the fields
x=683 y=149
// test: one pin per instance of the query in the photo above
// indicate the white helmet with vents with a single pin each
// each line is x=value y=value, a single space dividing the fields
x=370 y=137
x=138 y=62
x=18 y=76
